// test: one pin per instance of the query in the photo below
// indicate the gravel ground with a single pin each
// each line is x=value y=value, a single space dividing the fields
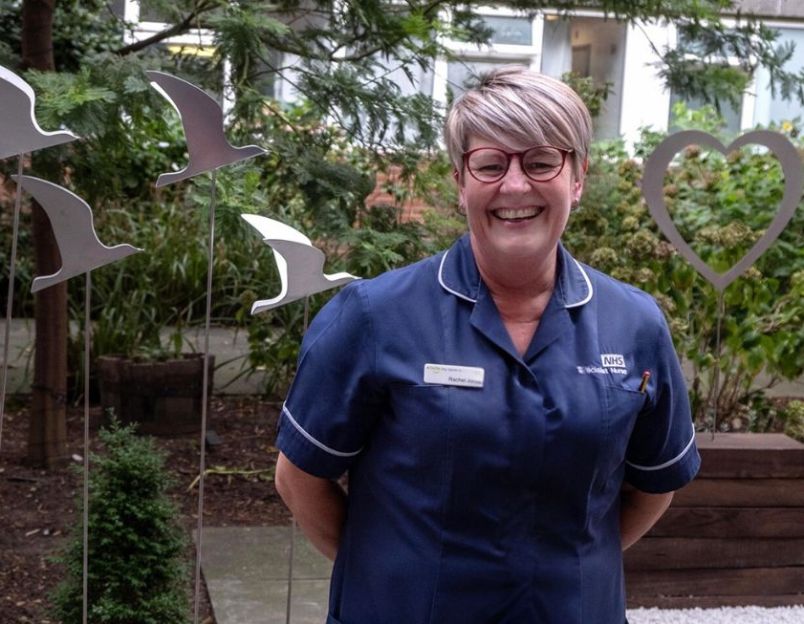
x=725 y=615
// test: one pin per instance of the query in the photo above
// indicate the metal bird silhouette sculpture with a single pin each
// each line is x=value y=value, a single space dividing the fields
x=74 y=230
x=300 y=265
x=202 y=119
x=19 y=131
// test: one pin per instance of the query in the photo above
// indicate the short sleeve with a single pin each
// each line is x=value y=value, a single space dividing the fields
x=661 y=455
x=329 y=409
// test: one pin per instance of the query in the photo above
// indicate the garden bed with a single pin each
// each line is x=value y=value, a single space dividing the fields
x=734 y=536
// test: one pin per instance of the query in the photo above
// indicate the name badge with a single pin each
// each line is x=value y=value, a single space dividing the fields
x=451 y=375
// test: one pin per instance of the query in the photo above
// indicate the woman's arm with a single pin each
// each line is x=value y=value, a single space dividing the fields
x=319 y=505
x=639 y=511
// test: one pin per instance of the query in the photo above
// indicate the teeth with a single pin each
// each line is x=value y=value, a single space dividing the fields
x=517 y=213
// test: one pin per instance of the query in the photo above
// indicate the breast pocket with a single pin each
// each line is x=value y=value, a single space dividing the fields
x=418 y=425
x=622 y=408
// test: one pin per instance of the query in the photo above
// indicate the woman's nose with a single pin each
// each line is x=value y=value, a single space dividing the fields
x=515 y=180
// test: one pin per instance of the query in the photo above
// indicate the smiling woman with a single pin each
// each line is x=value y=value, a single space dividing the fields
x=490 y=402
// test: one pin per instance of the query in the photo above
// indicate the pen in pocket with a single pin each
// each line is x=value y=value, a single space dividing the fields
x=643 y=386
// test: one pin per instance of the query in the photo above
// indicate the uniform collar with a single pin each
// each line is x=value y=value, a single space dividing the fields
x=458 y=275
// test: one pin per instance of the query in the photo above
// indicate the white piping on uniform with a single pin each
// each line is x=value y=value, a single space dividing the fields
x=667 y=463
x=588 y=287
x=323 y=447
x=447 y=288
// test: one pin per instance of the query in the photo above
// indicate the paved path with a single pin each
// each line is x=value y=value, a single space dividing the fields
x=246 y=571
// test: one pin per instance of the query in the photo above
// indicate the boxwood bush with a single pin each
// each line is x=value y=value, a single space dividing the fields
x=137 y=566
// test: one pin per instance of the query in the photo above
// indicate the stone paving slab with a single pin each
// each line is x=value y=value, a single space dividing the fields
x=246 y=571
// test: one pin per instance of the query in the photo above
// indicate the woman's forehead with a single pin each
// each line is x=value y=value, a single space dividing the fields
x=507 y=143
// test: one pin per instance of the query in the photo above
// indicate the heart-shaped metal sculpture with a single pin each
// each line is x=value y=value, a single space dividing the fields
x=653 y=190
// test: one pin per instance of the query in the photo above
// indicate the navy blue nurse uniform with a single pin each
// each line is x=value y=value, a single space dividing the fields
x=486 y=496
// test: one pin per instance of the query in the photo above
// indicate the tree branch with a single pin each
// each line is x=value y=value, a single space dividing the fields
x=176 y=29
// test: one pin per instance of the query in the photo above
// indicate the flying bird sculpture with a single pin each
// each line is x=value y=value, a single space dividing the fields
x=300 y=265
x=19 y=131
x=72 y=223
x=202 y=119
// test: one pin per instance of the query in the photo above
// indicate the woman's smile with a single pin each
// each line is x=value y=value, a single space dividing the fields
x=517 y=214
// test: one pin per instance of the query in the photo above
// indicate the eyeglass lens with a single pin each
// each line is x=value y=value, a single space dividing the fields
x=540 y=163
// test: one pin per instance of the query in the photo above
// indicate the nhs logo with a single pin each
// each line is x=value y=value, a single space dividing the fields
x=612 y=360
x=615 y=362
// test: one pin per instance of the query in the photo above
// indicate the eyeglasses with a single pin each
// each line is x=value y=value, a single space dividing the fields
x=541 y=163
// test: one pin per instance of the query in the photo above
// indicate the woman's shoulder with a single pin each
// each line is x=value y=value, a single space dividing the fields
x=621 y=297
x=402 y=284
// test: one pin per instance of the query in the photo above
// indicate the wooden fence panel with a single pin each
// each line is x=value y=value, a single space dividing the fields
x=725 y=582
x=733 y=522
x=741 y=493
x=667 y=553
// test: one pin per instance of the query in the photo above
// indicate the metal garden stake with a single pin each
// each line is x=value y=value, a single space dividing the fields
x=208 y=150
x=301 y=274
x=81 y=252
x=653 y=187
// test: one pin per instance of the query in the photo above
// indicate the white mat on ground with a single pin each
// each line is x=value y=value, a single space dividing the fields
x=724 y=615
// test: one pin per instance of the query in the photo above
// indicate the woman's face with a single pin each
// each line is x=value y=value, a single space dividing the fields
x=516 y=217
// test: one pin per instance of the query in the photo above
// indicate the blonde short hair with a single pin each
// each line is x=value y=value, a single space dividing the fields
x=520 y=105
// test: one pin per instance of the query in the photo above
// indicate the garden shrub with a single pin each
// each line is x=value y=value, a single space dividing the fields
x=794 y=420
x=137 y=568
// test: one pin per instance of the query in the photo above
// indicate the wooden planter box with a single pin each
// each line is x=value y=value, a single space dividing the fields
x=163 y=397
x=734 y=536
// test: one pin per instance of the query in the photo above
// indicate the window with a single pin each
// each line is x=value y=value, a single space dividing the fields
x=151 y=11
x=770 y=108
x=731 y=114
x=510 y=29
x=118 y=7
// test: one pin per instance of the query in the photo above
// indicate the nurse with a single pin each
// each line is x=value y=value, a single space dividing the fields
x=510 y=419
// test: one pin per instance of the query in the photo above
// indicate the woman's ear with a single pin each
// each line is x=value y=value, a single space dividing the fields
x=577 y=185
x=577 y=191
x=461 y=200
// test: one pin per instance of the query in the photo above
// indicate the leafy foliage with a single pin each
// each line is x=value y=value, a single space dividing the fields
x=593 y=95
x=137 y=571
x=794 y=420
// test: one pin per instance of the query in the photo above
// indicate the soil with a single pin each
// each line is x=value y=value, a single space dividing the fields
x=38 y=507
